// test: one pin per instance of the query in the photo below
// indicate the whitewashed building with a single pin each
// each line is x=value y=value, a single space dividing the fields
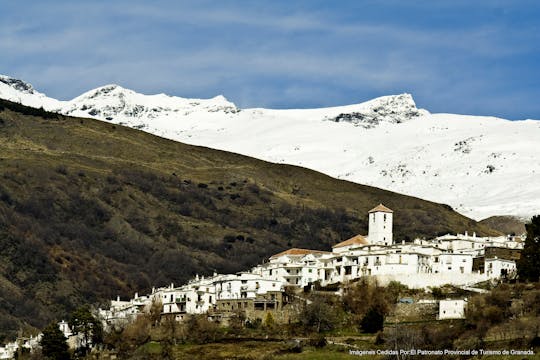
x=496 y=268
x=452 y=309
x=124 y=311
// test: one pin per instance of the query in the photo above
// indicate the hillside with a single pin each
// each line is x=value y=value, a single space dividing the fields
x=476 y=164
x=506 y=224
x=91 y=210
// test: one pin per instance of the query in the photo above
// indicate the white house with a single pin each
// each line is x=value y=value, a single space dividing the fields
x=452 y=309
x=496 y=268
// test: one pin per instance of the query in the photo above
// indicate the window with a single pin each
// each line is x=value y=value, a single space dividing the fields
x=384 y=216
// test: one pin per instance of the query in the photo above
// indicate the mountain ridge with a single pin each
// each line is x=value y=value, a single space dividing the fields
x=475 y=164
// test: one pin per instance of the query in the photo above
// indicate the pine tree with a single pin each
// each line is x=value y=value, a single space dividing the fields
x=53 y=343
x=528 y=266
x=87 y=326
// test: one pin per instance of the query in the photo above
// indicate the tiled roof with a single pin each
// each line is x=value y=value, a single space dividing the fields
x=355 y=240
x=381 y=208
x=297 y=251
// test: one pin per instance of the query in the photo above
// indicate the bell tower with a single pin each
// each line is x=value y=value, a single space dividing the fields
x=380 y=225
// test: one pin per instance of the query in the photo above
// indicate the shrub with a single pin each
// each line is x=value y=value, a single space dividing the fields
x=373 y=321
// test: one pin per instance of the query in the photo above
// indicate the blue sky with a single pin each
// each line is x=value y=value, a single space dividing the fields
x=468 y=57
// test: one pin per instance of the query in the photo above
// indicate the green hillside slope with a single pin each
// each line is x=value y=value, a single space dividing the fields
x=90 y=210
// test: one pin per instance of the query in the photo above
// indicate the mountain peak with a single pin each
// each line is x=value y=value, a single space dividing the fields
x=101 y=91
x=17 y=84
x=393 y=109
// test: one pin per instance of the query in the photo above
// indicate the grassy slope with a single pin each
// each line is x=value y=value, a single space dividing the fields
x=89 y=210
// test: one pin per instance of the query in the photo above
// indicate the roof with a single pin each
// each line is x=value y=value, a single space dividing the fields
x=297 y=251
x=381 y=208
x=355 y=240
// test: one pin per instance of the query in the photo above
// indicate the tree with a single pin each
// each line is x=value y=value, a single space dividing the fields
x=53 y=343
x=528 y=266
x=84 y=324
x=373 y=321
x=318 y=315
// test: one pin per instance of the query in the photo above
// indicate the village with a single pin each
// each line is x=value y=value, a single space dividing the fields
x=460 y=260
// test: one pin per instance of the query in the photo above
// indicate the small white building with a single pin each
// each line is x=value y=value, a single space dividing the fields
x=64 y=328
x=452 y=309
x=497 y=268
x=8 y=351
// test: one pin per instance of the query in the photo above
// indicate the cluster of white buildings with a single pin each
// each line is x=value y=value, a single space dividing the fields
x=29 y=344
x=451 y=259
x=459 y=259
x=9 y=350
x=217 y=296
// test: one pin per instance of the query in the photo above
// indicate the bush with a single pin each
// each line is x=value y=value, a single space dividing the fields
x=200 y=330
x=318 y=315
x=373 y=321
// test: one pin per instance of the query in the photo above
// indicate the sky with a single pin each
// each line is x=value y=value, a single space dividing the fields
x=463 y=57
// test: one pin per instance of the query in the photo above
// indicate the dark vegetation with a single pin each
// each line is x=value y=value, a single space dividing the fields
x=528 y=266
x=54 y=344
x=89 y=211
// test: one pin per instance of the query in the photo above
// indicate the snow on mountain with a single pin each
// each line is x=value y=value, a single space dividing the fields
x=481 y=166
x=18 y=91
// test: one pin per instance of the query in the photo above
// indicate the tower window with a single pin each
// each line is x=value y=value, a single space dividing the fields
x=384 y=216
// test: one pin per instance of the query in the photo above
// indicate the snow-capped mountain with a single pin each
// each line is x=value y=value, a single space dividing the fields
x=481 y=166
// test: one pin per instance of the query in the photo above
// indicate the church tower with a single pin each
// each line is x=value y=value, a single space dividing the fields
x=380 y=225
